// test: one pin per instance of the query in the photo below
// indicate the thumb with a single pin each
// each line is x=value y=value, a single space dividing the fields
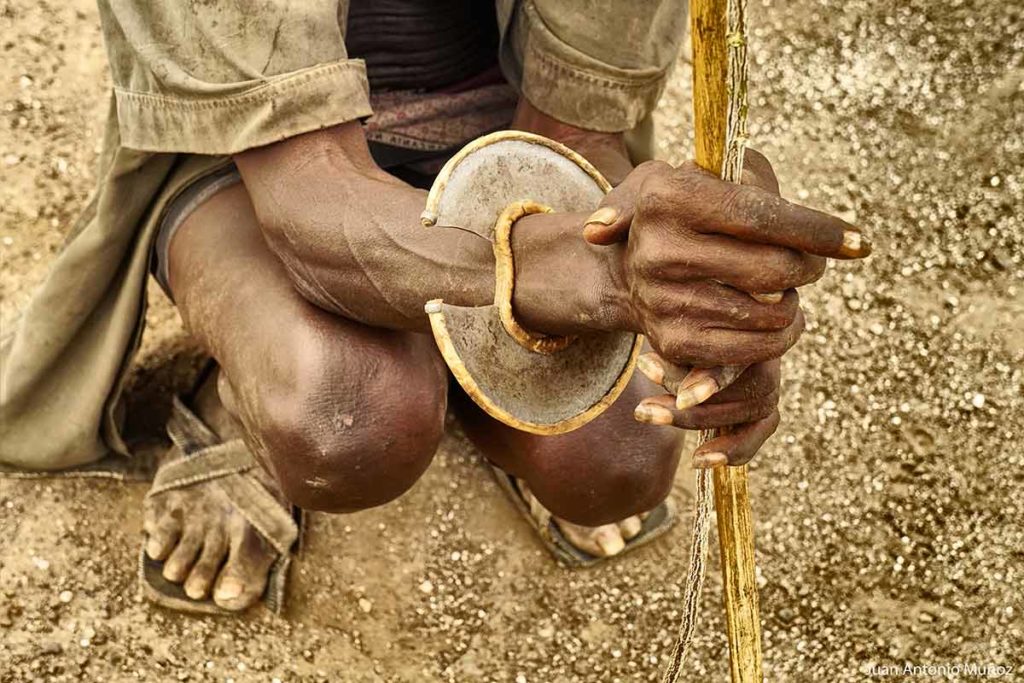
x=610 y=222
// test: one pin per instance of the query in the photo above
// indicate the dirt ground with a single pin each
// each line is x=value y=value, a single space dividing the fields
x=889 y=506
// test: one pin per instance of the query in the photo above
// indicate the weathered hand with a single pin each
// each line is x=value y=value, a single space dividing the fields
x=698 y=248
x=747 y=401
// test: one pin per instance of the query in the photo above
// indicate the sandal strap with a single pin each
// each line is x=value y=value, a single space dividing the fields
x=213 y=462
x=269 y=516
x=230 y=463
x=187 y=430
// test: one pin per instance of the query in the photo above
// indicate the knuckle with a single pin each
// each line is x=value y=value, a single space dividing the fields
x=653 y=167
x=658 y=194
x=781 y=315
x=764 y=406
x=755 y=158
x=674 y=344
x=649 y=203
x=733 y=200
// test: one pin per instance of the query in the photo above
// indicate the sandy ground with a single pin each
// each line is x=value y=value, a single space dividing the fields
x=889 y=506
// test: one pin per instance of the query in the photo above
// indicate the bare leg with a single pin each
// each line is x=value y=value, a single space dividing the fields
x=596 y=481
x=342 y=416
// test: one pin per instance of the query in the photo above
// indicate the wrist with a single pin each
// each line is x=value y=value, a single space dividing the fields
x=564 y=285
x=606 y=151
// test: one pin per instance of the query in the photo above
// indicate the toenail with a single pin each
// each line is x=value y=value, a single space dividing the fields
x=632 y=526
x=611 y=544
x=173 y=573
x=229 y=589
x=153 y=548
x=195 y=590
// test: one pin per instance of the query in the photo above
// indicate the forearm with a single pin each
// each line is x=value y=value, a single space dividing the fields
x=351 y=237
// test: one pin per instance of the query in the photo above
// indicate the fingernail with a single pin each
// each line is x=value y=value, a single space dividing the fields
x=855 y=244
x=652 y=414
x=705 y=461
x=229 y=589
x=606 y=215
x=769 y=298
x=697 y=393
x=651 y=368
x=611 y=543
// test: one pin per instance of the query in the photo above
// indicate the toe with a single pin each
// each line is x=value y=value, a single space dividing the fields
x=180 y=561
x=244 y=576
x=163 y=534
x=609 y=540
x=630 y=527
x=200 y=579
x=599 y=541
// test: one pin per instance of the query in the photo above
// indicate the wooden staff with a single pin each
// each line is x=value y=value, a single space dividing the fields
x=720 y=101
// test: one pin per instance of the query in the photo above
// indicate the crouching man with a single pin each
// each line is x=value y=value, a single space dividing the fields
x=269 y=167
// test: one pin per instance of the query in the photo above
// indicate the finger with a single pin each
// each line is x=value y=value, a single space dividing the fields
x=610 y=222
x=708 y=304
x=756 y=268
x=703 y=383
x=756 y=215
x=738 y=446
x=724 y=346
x=690 y=386
x=661 y=410
x=769 y=298
x=756 y=381
x=661 y=372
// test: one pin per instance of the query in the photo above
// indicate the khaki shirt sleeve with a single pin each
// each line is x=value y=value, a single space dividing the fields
x=596 y=64
x=223 y=76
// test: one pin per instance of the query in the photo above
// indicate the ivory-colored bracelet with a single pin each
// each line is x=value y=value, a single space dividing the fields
x=505 y=277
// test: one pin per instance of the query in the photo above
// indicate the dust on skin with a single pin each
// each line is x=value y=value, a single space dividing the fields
x=871 y=550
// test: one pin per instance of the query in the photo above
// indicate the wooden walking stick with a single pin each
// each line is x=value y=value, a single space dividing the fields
x=718 y=29
x=720 y=107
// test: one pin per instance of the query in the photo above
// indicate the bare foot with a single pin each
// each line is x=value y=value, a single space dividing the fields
x=203 y=541
x=606 y=540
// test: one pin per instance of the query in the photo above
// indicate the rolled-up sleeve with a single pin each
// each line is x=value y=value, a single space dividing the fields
x=596 y=64
x=224 y=76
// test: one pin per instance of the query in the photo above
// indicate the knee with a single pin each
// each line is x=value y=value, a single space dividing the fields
x=612 y=480
x=362 y=467
x=347 y=443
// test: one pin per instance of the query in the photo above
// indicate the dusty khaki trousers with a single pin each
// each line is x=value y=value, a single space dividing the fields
x=197 y=82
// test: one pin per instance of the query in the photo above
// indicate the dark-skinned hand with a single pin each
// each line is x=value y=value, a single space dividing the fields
x=720 y=318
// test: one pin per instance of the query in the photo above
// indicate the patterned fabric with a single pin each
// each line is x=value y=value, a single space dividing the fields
x=439 y=121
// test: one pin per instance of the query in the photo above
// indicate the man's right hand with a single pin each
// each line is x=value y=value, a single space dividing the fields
x=697 y=248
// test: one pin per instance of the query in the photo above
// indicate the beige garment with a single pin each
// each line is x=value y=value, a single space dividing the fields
x=195 y=82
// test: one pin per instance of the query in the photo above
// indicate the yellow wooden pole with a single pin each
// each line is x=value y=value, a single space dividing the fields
x=717 y=34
